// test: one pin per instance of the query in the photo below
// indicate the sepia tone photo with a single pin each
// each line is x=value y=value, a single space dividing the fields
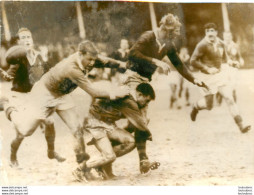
x=96 y=93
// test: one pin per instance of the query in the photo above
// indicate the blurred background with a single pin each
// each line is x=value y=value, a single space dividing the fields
x=59 y=26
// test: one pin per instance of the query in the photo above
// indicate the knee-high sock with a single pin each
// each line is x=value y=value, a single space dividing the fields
x=14 y=147
x=50 y=136
x=123 y=148
x=140 y=139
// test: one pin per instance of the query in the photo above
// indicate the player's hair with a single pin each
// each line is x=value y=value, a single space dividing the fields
x=170 y=21
x=22 y=30
x=146 y=89
x=87 y=47
x=210 y=25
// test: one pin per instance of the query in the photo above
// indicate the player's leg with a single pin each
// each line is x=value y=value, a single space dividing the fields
x=123 y=142
x=219 y=98
x=15 y=144
x=50 y=138
x=24 y=126
x=234 y=95
x=204 y=103
x=145 y=163
x=173 y=96
x=71 y=119
x=226 y=93
x=187 y=96
x=105 y=148
x=125 y=139
x=103 y=144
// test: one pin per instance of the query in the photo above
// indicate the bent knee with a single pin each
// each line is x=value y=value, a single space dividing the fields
x=230 y=101
x=24 y=132
x=78 y=133
x=110 y=157
x=49 y=122
x=129 y=140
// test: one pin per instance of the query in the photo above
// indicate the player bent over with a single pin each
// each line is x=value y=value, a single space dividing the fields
x=101 y=124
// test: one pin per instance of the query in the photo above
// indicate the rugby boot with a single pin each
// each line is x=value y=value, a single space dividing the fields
x=238 y=121
x=194 y=113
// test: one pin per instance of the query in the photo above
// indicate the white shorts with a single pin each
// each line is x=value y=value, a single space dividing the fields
x=213 y=81
x=44 y=103
x=98 y=128
x=30 y=108
x=232 y=75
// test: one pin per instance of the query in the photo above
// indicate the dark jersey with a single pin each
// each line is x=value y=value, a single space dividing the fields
x=207 y=54
x=120 y=56
x=146 y=48
x=110 y=111
x=25 y=73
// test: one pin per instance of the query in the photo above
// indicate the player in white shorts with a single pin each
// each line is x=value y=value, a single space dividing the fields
x=210 y=58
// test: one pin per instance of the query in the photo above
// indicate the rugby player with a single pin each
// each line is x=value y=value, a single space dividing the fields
x=145 y=57
x=48 y=95
x=101 y=124
x=236 y=59
x=26 y=66
x=208 y=57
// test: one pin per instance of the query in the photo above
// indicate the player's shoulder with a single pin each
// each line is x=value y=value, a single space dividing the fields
x=148 y=35
x=221 y=42
x=202 y=44
x=130 y=102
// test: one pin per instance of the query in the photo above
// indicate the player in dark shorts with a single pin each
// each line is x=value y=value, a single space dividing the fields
x=26 y=67
x=50 y=94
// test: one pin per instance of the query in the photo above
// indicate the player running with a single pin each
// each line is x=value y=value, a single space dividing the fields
x=48 y=95
x=208 y=57
x=26 y=67
x=236 y=59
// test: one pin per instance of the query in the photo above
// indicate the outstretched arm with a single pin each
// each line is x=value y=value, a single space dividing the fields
x=182 y=69
x=78 y=77
x=109 y=62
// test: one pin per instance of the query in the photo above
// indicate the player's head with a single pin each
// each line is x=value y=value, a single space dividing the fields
x=171 y=25
x=211 y=31
x=124 y=44
x=144 y=94
x=25 y=37
x=87 y=53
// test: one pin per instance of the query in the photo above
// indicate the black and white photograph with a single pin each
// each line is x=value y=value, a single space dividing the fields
x=117 y=93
